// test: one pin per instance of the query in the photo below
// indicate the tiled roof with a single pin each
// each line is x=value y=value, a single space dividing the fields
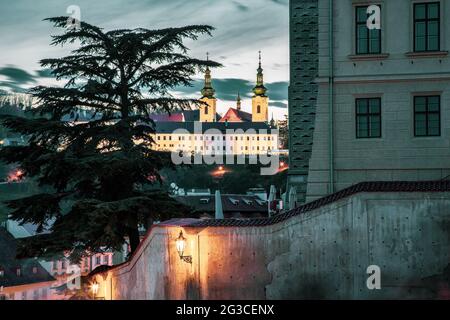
x=379 y=186
x=9 y=265
x=242 y=115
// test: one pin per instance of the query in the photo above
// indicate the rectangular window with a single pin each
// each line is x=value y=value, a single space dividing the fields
x=427 y=114
x=368 y=118
x=427 y=27
x=367 y=41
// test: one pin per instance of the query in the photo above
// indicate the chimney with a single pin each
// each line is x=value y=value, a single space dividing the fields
x=218 y=204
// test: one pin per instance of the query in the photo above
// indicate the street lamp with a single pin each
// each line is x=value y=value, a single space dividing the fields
x=94 y=288
x=181 y=245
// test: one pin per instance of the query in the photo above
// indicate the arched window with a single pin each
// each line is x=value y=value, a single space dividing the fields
x=258 y=109
x=206 y=110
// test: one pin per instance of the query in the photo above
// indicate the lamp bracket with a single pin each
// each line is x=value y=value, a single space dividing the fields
x=187 y=259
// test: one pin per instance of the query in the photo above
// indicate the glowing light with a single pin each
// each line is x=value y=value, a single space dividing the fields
x=219 y=172
x=94 y=288
x=15 y=176
x=283 y=166
x=181 y=244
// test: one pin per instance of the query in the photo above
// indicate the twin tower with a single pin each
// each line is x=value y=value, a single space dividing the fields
x=260 y=102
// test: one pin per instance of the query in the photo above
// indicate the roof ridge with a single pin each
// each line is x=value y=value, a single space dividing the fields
x=374 y=186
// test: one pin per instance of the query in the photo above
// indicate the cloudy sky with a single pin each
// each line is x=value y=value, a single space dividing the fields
x=243 y=27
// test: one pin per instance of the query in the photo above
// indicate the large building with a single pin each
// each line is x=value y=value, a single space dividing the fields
x=382 y=107
x=204 y=131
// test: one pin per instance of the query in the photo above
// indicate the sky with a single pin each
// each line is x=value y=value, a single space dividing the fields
x=243 y=27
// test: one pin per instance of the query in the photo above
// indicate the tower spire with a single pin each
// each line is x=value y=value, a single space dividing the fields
x=238 y=101
x=259 y=59
x=259 y=89
x=208 y=91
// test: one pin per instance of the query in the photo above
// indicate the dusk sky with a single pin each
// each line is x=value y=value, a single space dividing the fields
x=243 y=27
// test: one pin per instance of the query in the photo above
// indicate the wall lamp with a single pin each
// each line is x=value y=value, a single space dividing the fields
x=94 y=288
x=181 y=245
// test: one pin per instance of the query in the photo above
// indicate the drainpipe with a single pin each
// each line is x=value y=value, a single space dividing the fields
x=330 y=95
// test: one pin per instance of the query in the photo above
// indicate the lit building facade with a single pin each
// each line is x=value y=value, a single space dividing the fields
x=203 y=131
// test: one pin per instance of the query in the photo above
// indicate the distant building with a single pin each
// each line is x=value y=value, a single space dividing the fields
x=233 y=205
x=204 y=131
x=61 y=268
x=22 y=279
x=247 y=138
x=366 y=104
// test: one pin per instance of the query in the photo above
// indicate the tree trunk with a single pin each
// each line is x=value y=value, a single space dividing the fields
x=134 y=239
x=133 y=233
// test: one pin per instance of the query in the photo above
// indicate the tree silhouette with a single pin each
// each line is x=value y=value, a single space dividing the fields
x=101 y=176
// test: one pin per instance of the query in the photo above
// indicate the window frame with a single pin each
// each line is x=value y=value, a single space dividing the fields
x=426 y=112
x=357 y=24
x=368 y=114
x=426 y=20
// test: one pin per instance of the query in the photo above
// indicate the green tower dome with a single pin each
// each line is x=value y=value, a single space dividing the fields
x=260 y=89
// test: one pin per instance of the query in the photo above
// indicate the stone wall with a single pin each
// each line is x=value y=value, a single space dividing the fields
x=323 y=253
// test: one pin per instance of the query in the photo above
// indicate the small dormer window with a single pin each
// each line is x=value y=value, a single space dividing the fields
x=234 y=201
x=204 y=200
x=18 y=271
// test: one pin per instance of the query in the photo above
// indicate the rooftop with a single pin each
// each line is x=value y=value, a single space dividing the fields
x=231 y=204
x=377 y=186
x=30 y=269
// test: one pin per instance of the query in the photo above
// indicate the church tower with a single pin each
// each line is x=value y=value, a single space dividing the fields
x=208 y=112
x=260 y=102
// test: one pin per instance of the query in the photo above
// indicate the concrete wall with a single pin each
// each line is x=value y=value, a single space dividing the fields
x=395 y=78
x=323 y=254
